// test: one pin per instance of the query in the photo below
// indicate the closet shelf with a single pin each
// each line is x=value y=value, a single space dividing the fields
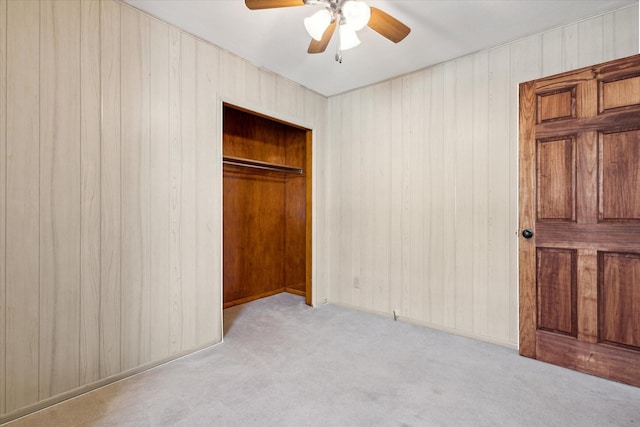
x=256 y=164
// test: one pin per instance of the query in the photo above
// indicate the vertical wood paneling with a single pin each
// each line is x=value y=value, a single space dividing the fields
x=110 y=190
x=405 y=217
x=569 y=43
x=22 y=194
x=499 y=233
x=332 y=210
x=312 y=105
x=448 y=201
x=110 y=213
x=337 y=283
x=395 y=181
x=552 y=52
x=321 y=164
x=288 y=99
x=252 y=85
x=182 y=165
x=354 y=168
x=621 y=33
x=590 y=42
x=609 y=35
x=464 y=186
x=208 y=194
x=135 y=187
x=267 y=85
x=3 y=200
x=347 y=203
x=232 y=72
x=436 y=170
x=188 y=201
x=367 y=234
x=175 y=168
x=59 y=196
x=381 y=192
x=453 y=186
x=427 y=187
x=160 y=188
x=479 y=192
x=416 y=273
x=90 y=192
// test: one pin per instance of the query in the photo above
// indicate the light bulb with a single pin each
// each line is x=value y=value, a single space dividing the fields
x=317 y=23
x=356 y=14
x=348 y=37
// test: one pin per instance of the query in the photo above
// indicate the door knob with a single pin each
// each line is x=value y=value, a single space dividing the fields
x=527 y=234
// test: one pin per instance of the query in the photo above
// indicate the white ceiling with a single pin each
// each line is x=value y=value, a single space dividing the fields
x=275 y=39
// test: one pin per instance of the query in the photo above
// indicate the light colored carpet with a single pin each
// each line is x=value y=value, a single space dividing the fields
x=286 y=364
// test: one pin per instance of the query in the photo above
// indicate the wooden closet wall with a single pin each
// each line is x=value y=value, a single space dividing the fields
x=266 y=213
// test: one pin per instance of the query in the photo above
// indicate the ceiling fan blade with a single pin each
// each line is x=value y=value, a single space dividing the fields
x=269 y=4
x=387 y=26
x=319 y=46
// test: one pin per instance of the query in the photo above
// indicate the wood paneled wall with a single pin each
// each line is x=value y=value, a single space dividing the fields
x=110 y=187
x=423 y=184
x=110 y=191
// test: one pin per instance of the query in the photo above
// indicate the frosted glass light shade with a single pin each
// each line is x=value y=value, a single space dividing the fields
x=317 y=23
x=356 y=14
x=348 y=37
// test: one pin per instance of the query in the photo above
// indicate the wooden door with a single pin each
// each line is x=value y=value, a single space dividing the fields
x=580 y=200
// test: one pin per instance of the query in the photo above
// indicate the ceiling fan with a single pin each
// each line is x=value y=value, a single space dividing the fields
x=349 y=15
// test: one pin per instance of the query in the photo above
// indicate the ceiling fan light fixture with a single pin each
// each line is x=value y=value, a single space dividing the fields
x=317 y=23
x=348 y=37
x=356 y=14
x=348 y=15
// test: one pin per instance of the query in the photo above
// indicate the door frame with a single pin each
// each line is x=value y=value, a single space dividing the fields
x=526 y=219
x=310 y=233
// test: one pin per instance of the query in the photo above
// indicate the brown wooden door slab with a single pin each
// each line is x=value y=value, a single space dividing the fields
x=580 y=197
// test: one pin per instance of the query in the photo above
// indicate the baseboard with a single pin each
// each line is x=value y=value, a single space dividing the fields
x=263 y=295
x=253 y=297
x=295 y=291
x=429 y=325
x=54 y=400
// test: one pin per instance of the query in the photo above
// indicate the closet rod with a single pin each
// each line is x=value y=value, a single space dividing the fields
x=255 y=164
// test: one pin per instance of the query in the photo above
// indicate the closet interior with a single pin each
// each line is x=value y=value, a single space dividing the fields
x=266 y=207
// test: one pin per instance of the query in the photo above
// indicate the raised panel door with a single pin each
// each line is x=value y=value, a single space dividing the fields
x=579 y=199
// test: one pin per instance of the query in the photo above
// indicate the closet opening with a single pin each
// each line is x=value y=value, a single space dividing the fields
x=266 y=207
